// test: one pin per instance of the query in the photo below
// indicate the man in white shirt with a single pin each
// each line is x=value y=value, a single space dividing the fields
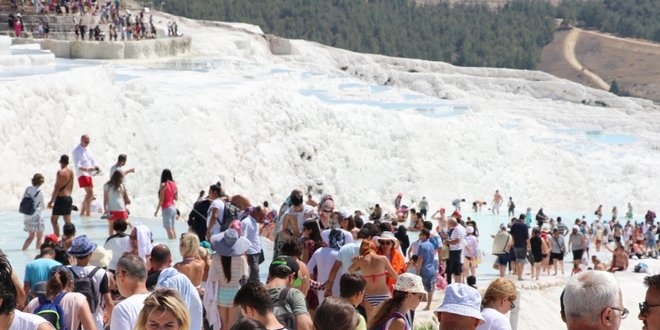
x=131 y=278
x=455 y=241
x=345 y=259
x=250 y=229
x=85 y=167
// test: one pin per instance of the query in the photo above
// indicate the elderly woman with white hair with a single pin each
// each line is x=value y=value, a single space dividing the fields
x=592 y=300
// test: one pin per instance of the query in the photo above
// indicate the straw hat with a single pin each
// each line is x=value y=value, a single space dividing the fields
x=409 y=282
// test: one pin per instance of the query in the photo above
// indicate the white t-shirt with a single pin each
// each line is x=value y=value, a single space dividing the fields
x=125 y=313
x=219 y=204
x=24 y=321
x=114 y=168
x=115 y=197
x=458 y=232
x=82 y=158
x=118 y=245
x=494 y=320
x=323 y=259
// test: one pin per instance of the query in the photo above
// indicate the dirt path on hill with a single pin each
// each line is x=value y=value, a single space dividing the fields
x=569 y=55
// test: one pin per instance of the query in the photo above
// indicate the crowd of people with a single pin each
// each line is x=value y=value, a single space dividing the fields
x=124 y=26
x=329 y=268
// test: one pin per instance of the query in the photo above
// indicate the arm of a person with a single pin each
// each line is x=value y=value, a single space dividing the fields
x=26 y=287
x=47 y=326
x=127 y=200
x=56 y=189
x=161 y=196
x=211 y=222
x=105 y=200
x=104 y=289
x=85 y=317
x=21 y=294
x=356 y=265
x=331 y=278
x=390 y=270
x=298 y=306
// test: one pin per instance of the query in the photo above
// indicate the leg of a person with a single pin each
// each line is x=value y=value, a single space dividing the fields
x=28 y=240
x=224 y=317
x=232 y=316
x=89 y=195
x=56 y=226
x=40 y=238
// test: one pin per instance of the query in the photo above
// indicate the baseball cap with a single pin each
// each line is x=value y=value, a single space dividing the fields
x=461 y=299
x=51 y=238
x=284 y=262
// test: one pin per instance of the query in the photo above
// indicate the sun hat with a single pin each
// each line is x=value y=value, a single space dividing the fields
x=101 y=257
x=229 y=243
x=82 y=246
x=287 y=261
x=409 y=282
x=461 y=299
x=576 y=227
x=387 y=236
x=545 y=228
x=469 y=230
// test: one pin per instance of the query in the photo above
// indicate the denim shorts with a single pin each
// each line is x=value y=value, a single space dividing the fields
x=169 y=216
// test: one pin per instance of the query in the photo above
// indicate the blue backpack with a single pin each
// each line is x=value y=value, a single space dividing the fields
x=51 y=311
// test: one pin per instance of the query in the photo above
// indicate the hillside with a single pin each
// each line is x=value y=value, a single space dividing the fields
x=631 y=62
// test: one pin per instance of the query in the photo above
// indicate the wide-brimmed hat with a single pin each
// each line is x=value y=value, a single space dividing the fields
x=409 y=282
x=82 y=246
x=461 y=299
x=545 y=228
x=229 y=243
x=101 y=257
x=387 y=236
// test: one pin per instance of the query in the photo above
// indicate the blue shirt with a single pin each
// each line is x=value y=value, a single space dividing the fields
x=171 y=278
x=426 y=252
x=37 y=271
x=250 y=230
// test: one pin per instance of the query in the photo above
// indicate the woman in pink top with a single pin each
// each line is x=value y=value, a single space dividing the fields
x=167 y=194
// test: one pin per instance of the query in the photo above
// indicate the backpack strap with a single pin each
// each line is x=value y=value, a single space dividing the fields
x=59 y=297
x=283 y=294
x=91 y=274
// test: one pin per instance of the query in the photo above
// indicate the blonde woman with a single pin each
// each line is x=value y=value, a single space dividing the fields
x=497 y=301
x=192 y=264
x=164 y=308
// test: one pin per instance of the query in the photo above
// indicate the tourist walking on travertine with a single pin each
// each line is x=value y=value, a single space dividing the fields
x=167 y=194
x=34 y=223
x=497 y=202
x=85 y=166
x=60 y=200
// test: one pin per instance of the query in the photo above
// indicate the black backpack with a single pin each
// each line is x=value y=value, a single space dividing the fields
x=27 y=206
x=229 y=214
x=51 y=311
x=283 y=311
x=85 y=286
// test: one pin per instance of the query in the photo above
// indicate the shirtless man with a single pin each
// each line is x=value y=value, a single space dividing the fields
x=60 y=200
x=85 y=167
x=497 y=202
x=619 y=260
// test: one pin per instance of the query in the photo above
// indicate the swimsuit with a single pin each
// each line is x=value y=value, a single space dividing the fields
x=376 y=299
x=374 y=276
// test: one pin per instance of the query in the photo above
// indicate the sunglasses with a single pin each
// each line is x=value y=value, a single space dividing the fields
x=386 y=243
x=644 y=307
x=624 y=311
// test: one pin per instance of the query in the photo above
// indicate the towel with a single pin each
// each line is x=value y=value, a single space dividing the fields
x=210 y=303
x=143 y=240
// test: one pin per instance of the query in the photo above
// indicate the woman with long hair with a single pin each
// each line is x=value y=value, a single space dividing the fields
x=229 y=269
x=10 y=293
x=73 y=304
x=375 y=269
x=388 y=246
x=311 y=239
x=497 y=301
x=115 y=199
x=408 y=292
x=164 y=308
x=167 y=194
